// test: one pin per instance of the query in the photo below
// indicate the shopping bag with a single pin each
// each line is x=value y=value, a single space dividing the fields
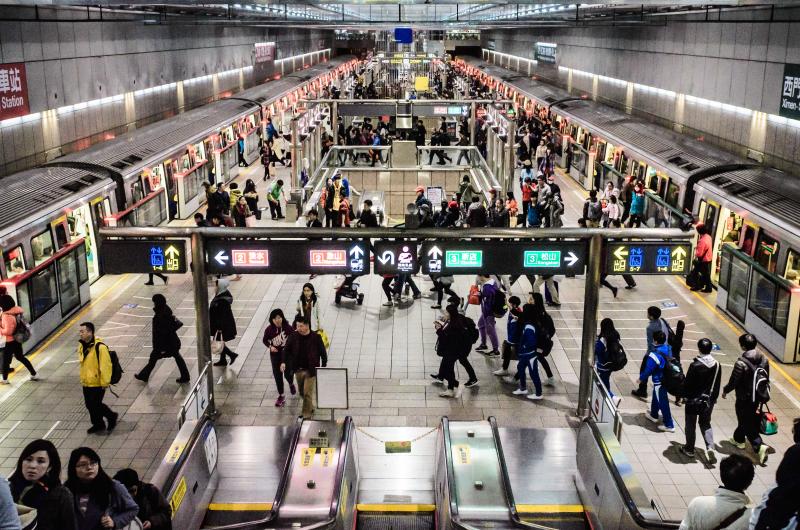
x=27 y=517
x=250 y=220
x=769 y=421
x=217 y=345
x=325 y=340
x=474 y=295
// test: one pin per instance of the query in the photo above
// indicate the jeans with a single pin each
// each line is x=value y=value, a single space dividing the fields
x=660 y=402
x=386 y=286
x=307 y=385
x=275 y=209
x=486 y=326
x=275 y=360
x=531 y=363
x=13 y=349
x=462 y=155
x=747 y=423
x=156 y=356
x=93 y=398
x=402 y=279
x=704 y=420
x=605 y=377
x=551 y=286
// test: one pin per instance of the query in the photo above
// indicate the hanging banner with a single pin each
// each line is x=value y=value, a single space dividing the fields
x=790 y=93
x=13 y=91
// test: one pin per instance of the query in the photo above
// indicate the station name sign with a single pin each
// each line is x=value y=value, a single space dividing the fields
x=503 y=257
x=648 y=258
x=13 y=91
x=225 y=256
x=790 y=92
x=164 y=256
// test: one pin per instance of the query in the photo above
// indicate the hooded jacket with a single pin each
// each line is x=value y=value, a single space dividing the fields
x=708 y=511
x=699 y=378
x=221 y=316
x=8 y=322
x=656 y=362
x=741 y=378
x=277 y=337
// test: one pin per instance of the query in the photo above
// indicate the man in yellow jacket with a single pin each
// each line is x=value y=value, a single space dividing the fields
x=95 y=363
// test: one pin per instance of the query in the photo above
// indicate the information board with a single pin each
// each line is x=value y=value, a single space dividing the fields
x=287 y=257
x=648 y=258
x=395 y=257
x=165 y=256
x=332 y=392
x=502 y=257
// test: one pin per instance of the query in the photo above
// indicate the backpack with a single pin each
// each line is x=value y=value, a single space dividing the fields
x=761 y=387
x=499 y=306
x=116 y=367
x=675 y=340
x=617 y=359
x=471 y=336
x=22 y=330
x=594 y=211
x=673 y=377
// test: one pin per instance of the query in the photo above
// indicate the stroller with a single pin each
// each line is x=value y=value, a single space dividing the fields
x=348 y=289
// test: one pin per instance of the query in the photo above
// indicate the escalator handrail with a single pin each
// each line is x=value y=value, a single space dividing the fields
x=176 y=468
x=512 y=505
x=451 y=494
x=630 y=504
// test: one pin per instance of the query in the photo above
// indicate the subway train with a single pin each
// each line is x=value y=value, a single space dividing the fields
x=51 y=214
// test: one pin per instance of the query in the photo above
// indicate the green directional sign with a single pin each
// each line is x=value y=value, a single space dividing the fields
x=464 y=258
x=542 y=258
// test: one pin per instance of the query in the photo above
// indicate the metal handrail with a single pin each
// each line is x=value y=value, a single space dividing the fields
x=202 y=379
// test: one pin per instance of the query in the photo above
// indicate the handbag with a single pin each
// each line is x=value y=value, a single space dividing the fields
x=769 y=421
x=324 y=336
x=136 y=524
x=474 y=295
x=177 y=323
x=250 y=220
x=217 y=345
x=700 y=404
x=27 y=517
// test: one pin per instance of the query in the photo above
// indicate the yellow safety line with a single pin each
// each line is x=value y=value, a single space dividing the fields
x=64 y=327
x=239 y=506
x=737 y=329
x=549 y=508
x=396 y=507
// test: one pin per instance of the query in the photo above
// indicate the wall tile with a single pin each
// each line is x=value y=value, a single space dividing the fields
x=741 y=49
x=11 y=42
x=776 y=48
x=31 y=41
x=758 y=42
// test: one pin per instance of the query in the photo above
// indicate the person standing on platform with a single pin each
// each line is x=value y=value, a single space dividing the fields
x=747 y=378
x=636 y=210
x=166 y=342
x=311 y=219
x=656 y=363
x=95 y=373
x=509 y=350
x=701 y=390
x=727 y=508
x=608 y=340
x=10 y=313
x=274 y=195
x=702 y=260
x=779 y=507
x=486 y=322
x=275 y=336
x=303 y=354
x=654 y=324
x=526 y=354
x=222 y=324
x=592 y=210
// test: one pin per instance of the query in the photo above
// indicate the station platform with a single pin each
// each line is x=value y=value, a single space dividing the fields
x=389 y=352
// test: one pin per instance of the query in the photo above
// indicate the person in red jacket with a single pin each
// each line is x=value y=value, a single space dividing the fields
x=9 y=312
x=702 y=260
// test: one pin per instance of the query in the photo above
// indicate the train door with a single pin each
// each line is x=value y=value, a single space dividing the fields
x=81 y=222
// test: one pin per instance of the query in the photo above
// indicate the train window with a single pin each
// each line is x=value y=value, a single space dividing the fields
x=782 y=310
x=737 y=293
x=68 y=283
x=672 y=194
x=83 y=267
x=136 y=191
x=792 y=272
x=15 y=261
x=766 y=252
x=747 y=240
x=44 y=294
x=42 y=247
x=24 y=300
x=725 y=269
x=762 y=297
x=61 y=235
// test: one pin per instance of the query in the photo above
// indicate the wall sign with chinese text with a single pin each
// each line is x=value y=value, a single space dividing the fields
x=231 y=256
x=790 y=92
x=265 y=51
x=13 y=91
x=502 y=257
x=165 y=256
x=545 y=52
x=648 y=258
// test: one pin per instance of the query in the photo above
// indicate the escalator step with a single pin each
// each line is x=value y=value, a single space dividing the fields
x=562 y=521
x=390 y=521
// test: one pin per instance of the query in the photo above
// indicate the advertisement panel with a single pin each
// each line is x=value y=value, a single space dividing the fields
x=13 y=91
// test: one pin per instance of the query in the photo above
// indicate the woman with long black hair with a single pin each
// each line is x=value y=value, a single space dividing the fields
x=36 y=483
x=275 y=336
x=100 y=501
x=166 y=342
x=607 y=341
x=546 y=330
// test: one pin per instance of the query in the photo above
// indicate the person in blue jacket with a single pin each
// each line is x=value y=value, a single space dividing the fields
x=656 y=362
x=607 y=338
x=526 y=353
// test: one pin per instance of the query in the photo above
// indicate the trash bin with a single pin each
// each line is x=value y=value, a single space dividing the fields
x=296 y=200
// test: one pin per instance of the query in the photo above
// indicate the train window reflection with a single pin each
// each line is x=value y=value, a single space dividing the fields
x=15 y=261
x=766 y=252
x=43 y=291
x=42 y=247
x=762 y=297
x=792 y=272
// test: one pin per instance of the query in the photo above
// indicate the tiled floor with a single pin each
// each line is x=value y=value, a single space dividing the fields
x=389 y=353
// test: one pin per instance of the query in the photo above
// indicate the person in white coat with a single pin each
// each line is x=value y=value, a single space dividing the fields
x=729 y=506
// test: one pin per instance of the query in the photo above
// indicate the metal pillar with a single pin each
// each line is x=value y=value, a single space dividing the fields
x=511 y=138
x=473 y=123
x=201 y=301
x=591 y=303
x=295 y=174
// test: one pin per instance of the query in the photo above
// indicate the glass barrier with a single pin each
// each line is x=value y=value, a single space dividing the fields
x=458 y=157
x=579 y=158
x=358 y=156
x=150 y=211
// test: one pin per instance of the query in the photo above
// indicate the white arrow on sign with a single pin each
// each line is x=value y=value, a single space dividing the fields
x=386 y=257
x=221 y=257
x=435 y=252
x=571 y=259
x=356 y=251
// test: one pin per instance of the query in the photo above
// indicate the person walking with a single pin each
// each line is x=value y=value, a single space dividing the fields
x=95 y=374
x=608 y=340
x=728 y=507
x=779 y=508
x=275 y=336
x=166 y=342
x=221 y=322
x=454 y=345
x=486 y=322
x=526 y=354
x=443 y=284
x=155 y=512
x=654 y=323
x=10 y=315
x=702 y=260
x=513 y=330
x=36 y=483
x=274 y=195
x=656 y=363
x=303 y=354
x=307 y=306
x=545 y=332
x=748 y=372
x=701 y=390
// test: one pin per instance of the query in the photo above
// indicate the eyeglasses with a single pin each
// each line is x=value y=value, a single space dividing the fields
x=86 y=465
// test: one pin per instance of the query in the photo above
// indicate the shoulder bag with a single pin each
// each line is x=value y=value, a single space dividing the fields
x=700 y=404
x=731 y=518
x=217 y=345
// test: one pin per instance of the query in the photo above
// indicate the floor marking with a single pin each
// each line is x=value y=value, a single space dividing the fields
x=106 y=337
x=239 y=506
x=6 y=435
x=550 y=508
x=680 y=290
x=134 y=316
x=385 y=508
x=790 y=397
x=51 y=429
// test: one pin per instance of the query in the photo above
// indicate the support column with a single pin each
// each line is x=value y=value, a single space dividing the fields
x=473 y=123
x=510 y=161
x=591 y=303
x=295 y=173
x=201 y=301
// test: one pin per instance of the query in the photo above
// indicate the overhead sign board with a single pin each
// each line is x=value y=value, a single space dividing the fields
x=165 y=256
x=648 y=258
x=790 y=92
x=395 y=257
x=502 y=257
x=230 y=256
x=545 y=52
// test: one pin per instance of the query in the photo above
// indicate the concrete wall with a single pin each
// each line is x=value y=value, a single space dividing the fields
x=114 y=63
x=680 y=73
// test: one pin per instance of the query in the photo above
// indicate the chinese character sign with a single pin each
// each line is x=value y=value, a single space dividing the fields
x=13 y=91
x=789 y=106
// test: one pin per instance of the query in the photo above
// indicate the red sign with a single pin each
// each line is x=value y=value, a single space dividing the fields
x=13 y=91
x=265 y=51
x=250 y=258
x=328 y=258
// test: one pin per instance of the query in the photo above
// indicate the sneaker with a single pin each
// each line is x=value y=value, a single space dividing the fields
x=140 y=378
x=664 y=428
x=736 y=444
x=762 y=454
x=148 y=283
x=629 y=287
x=5 y=382
x=686 y=452
x=640 y=395
x=417 y=296
x=447 y=393
x=649 y=417
x=95 y=428
x=112 y=421
x=33 y=377
x=436 y=306
x=500 y=372
x=711 y=456
x=436 y=379
x=482 y=347
x=233 y=357
x=509 y=379
x=493 y=353
x=534 y=397
x=281 y=401
x=471 y=383
x=520 y=392
x=292 y=389
x=388 y=304
x=551 y=381
x=221 y=362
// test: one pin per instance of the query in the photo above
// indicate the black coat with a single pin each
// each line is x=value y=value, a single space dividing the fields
x=221 y=316
x=153 y=507
x=165 y=336
x=742 y=375
x=451 y=339
x=698 y=380
x=55 y=507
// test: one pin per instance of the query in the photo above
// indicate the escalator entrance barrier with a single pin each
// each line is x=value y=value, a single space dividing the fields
x=396 y=517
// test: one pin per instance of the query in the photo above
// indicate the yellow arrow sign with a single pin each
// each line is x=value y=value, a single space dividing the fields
x=679 y=252
x=621 y=252
x=172 y=252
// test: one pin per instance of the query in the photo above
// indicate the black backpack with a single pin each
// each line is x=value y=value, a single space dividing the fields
x=499 y=306
x=471 y=336
x=673 y=377
x=617 y=359
x=116 y=367
x=761 y=388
